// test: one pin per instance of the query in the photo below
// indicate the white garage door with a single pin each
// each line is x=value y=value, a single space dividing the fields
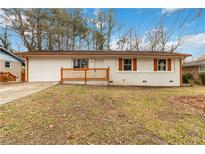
x=46 y=69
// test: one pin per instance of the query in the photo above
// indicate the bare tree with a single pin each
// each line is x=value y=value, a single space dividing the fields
x=22 y=23
x=100 y=27
x=77 y=26
x=111 y=25
x=130 y=40
x=71 y=29
x=4 y=40
x=153 y=39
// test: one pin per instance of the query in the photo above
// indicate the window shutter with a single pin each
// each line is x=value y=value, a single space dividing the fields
x=134 y=64
x=169 y=64
x=120 y=64
x=155 y=64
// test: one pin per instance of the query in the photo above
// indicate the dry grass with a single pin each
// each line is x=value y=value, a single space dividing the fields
x=66 y=114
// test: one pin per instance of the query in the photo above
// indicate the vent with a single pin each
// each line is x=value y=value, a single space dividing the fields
x=144 y=81
x=171 y=81
x=110 y=81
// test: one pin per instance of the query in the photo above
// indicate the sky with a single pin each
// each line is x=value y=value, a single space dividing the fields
x=192 y=31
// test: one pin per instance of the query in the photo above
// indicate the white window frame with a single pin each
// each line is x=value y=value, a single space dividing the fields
x=200 y=69
x=165 y=65
x=9 y=64
x=80 y=59
x=123 y=64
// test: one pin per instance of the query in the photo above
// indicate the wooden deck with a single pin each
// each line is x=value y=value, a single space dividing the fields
x=85 y=74
x=7 y=76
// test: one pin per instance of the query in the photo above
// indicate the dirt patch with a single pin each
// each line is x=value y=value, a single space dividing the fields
x=169 y=116
x=197 y=102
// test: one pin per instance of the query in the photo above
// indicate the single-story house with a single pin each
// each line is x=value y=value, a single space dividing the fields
x=194 y=67
x=10 y=65
x=141 y=68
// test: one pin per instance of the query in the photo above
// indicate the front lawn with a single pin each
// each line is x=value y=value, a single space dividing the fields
x=66 y=114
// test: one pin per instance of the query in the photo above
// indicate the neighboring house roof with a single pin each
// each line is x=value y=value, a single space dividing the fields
x=101 y=53
x=194 y=63
x=11 y=54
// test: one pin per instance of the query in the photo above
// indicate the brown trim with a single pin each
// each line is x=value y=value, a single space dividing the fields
x=180 y=72
x=101 y=53
x=120 y=64
x=108 y=74
x=169 y=64
x=134 y=64
x=155 y=64
x=27 y=67
x=61 y=74
x=22 y=76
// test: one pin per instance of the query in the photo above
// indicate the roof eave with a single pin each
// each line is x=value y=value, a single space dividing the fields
x=12 y=54
x=117 y=54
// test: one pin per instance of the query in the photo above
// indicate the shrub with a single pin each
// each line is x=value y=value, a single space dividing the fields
x=202 y=77
x=197 y=82
x=187 y=78
x=192 y=82
x=5 y=78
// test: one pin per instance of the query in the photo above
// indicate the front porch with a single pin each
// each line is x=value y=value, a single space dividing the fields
x=83 y=75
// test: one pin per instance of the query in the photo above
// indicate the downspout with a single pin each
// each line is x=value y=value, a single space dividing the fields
x=26 y=71
x=181 y=70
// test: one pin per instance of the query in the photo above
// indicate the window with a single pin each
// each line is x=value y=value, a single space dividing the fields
x=7 y=64
x=127 y=64
x=162 y=64
x=202 y=68
x=80 y=63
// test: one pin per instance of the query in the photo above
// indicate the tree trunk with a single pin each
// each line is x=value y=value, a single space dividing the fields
x=39 y=36
x=67 y=41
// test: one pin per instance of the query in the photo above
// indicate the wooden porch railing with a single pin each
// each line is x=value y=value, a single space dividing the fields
x=7 y=76
x=85 y=74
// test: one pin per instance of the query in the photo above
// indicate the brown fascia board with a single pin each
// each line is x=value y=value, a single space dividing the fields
x=99 y=54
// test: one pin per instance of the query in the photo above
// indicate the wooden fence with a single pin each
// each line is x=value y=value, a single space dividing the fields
x=85 y=74
x=7 y=76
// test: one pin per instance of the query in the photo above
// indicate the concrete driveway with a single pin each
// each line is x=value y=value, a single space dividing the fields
x=10 y=92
